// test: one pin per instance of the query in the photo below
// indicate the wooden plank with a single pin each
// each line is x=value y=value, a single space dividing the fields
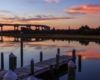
x=39 y=67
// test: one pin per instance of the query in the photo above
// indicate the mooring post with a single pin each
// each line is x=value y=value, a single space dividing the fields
x=2 y=60
x=32 y=67
x=58 y=51
x=51 y=72
x=10 y=75
x=57 y=66
x=21 y=47
x=74 y=55
x=57 y=61
x=41 y=56
x=71 y=70
x=12 y=62
x=79 y=63
x=32 y=78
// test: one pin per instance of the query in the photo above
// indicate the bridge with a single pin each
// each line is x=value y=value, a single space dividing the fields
x=28 y=26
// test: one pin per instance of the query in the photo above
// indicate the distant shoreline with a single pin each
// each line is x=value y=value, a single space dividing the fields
x=54 y=36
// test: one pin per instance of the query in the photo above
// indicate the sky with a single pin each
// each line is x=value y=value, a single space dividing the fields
x=59 y=14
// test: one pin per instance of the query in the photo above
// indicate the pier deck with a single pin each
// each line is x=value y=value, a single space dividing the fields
x=39 y=67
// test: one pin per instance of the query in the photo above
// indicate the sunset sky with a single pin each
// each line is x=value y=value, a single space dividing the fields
x=54 y=13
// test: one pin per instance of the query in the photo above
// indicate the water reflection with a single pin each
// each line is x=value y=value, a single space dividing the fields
x=17 y=39
x=90 y=54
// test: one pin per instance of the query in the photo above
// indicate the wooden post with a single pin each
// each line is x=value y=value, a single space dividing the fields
x=10 y=75
x=41 y=56
x=71 y=70
x=12 y=62
x=79 y=63
x=32 y=78
x=51 y=72
x=32 y=67
x=2 y=60
x=74 y=54
x=21 y=47
x=57 y=61
x=58 y=51
x=57 y=66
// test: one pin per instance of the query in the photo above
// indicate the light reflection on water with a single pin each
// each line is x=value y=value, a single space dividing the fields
x=90 y=55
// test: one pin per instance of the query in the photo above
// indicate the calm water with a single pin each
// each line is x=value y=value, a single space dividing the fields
x=90 y=54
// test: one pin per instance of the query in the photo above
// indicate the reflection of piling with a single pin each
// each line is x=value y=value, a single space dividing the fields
x=41 y=56
x=1 y=39
x=21 y=47
x=79 y=63
x=2 y=60
x=32 y=67
x=12 y=62
x=74 y=54
x=71 y=70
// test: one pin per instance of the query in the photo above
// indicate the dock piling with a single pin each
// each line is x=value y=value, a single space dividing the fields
x=12 y=62
x=21 y=47
x=2 y=60
x=32 y=67
x=58 y=51
x=71 y=70
x=41 y=56
x=51 y=72
x=74 y=55
x=57 y=61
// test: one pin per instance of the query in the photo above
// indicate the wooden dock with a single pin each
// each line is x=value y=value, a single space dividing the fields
x=39 y=67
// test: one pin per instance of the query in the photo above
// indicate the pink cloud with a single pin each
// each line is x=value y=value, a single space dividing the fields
x=83 y=9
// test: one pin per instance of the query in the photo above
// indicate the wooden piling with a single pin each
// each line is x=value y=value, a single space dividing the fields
x=41 y=56
x=74 y=55
x=21 y=47
x=12 y=62
x=58 y=51
x=32 y=67
x=57 y=61
x=51 y=72
x=71 y=70
x=57 y=66
x=2 y=60
x=79 y=63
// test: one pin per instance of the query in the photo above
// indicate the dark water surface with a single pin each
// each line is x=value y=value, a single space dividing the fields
x=90 y=54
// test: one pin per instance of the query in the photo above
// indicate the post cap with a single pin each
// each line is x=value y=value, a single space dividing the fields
x=12 y=55
x=71 y=64
x=10 y=75
x=32 y=78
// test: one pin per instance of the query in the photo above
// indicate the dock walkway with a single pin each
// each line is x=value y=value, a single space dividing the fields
x=39 y=67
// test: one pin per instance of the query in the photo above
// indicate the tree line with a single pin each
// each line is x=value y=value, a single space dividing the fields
x=83 y=30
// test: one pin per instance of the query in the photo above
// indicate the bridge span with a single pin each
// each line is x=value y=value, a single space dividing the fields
x=28 y=26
